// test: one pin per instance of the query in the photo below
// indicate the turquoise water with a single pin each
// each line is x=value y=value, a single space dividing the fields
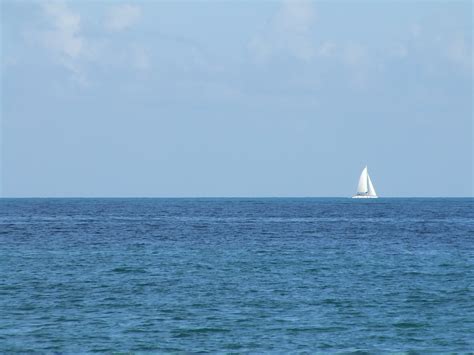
x=236 y=275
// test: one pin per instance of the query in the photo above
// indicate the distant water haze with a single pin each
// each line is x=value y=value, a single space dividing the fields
x=287 y=98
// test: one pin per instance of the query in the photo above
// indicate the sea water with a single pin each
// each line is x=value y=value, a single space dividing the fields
x=236 y=275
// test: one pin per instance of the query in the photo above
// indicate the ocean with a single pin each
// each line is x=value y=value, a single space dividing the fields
x=237 y=275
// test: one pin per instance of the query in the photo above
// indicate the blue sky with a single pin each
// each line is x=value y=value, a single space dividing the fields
x=236 y=98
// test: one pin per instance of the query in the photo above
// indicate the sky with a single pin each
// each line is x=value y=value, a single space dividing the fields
x=235 y=98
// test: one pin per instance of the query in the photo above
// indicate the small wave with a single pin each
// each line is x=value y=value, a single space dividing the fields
x=317 y=329
x=125 y=269
x=190 y=332
x=409 y=325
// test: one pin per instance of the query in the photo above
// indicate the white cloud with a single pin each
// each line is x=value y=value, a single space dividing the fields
x=289 y=31
x=121 y=17
x=295 y=17
x=70 y=48
x=64 y=37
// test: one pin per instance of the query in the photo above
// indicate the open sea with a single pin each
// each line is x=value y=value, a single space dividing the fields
x=237 y=275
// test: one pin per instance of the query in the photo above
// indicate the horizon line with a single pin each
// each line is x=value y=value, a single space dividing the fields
x=213 y=197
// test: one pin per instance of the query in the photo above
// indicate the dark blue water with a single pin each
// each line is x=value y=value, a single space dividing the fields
x=236 y=275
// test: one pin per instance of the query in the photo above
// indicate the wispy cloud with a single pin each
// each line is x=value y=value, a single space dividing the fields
x=292 y=31
x=289 y=31
x=63 y=37
x=121 y=17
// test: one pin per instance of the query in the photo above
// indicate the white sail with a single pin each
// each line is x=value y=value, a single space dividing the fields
x=365 y=189
x=362 y=187
x=371 y=190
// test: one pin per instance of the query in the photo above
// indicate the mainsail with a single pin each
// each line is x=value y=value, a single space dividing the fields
x=362 y=187
x=365 y=188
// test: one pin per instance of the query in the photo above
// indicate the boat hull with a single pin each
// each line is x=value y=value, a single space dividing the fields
x=364 y=196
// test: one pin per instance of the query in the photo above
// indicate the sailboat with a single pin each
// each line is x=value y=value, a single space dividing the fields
x=365 y=189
